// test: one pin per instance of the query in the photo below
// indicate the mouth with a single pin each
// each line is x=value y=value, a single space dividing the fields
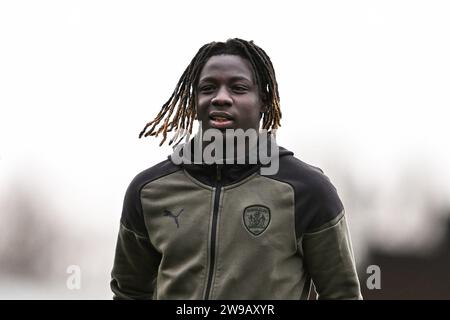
x=220 y=120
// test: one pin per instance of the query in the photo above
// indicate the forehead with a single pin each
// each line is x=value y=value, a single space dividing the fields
x=223 y=67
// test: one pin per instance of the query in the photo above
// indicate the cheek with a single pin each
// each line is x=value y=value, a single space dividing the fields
x=253 y=107
x=201 y=105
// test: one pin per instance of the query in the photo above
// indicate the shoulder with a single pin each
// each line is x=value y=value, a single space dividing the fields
x=155 y=172
x=316 y=198
x=304 y=176
x=132 y=216
x=289 y=164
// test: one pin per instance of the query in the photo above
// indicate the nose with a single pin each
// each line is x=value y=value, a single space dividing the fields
x=222 y=98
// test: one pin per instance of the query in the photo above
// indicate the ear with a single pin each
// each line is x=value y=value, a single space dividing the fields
x=263 y=110
x=264 y=102
x=195 y=112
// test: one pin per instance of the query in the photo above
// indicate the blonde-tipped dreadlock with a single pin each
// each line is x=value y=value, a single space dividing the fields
x=183 y=98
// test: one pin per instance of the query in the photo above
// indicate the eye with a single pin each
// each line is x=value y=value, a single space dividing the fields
x=206 y=88
x=240 y=89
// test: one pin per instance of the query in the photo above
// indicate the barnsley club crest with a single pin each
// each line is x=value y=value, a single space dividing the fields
x=256 y=219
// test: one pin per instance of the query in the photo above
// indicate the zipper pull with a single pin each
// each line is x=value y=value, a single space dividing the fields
x=219 y=172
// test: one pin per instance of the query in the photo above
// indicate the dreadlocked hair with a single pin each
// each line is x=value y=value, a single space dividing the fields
x=179 y=112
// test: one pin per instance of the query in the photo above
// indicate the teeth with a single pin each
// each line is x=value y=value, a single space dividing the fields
x=221 y=119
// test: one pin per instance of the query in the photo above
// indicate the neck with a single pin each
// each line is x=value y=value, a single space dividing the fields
x=230 y=147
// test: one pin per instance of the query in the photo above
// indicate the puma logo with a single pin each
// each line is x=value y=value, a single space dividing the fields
x=167 y=213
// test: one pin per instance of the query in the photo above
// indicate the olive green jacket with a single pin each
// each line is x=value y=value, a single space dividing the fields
x=198 y=231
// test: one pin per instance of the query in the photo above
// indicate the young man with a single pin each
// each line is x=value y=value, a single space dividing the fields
x=221 y=229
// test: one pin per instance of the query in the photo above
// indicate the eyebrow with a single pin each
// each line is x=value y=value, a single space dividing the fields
x=234 y=78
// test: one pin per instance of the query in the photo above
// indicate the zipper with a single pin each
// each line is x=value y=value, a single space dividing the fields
x=212 y=252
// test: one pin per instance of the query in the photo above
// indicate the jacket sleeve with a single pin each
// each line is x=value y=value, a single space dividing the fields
x=330 y=261
x=136 y=260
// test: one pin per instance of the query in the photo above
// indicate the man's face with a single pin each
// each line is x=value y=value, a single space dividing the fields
x=227 y=94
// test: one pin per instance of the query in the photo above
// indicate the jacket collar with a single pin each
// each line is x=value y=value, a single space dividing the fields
x=227 y=171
